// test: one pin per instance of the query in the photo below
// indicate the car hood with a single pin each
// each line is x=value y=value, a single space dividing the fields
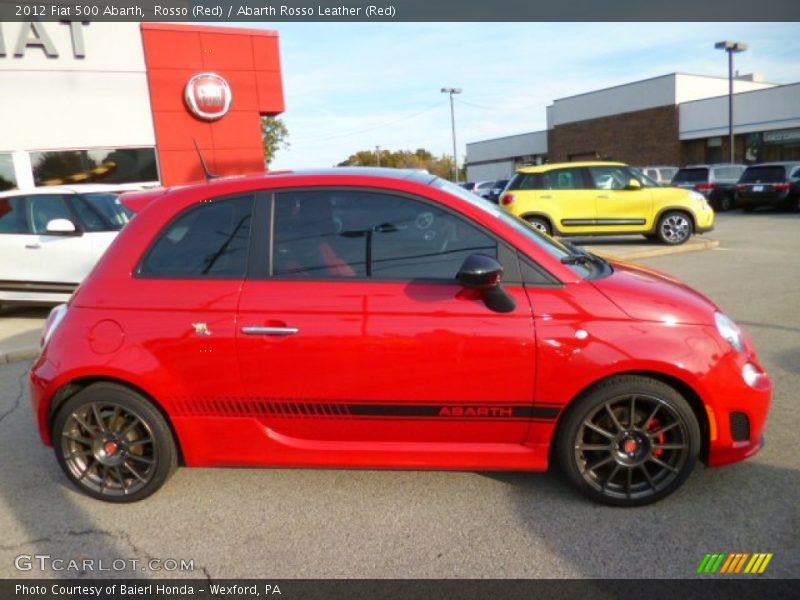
x=649 y=295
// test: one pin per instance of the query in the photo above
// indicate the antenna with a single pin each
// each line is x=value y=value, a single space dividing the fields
x=208 y=174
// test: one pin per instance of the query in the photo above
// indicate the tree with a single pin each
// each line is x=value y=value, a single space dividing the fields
x=403 y=159
x=274 y=134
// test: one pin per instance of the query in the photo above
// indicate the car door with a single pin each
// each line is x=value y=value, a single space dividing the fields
x=567 y=199
x=35 y=260
x=362 y=333
x=620 y=207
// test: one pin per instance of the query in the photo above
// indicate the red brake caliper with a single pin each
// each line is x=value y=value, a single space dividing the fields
x=661 y=438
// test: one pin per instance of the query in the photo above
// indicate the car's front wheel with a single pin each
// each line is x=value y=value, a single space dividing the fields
x=674 y=227
x=113 y=444
x=630 y=441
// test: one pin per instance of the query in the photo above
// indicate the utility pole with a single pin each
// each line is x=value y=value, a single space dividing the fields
x=730 y=47
x=378 y=155
x=452 y=91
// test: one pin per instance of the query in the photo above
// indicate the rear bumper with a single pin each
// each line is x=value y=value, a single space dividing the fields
x=755 y=200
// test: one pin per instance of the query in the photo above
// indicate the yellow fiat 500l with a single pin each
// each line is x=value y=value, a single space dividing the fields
x=604 y=198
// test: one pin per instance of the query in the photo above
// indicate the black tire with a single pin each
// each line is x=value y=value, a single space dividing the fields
x=674 y=227
x=113 y=444
x=725 y=203
x=641 y=461
x=540 y=224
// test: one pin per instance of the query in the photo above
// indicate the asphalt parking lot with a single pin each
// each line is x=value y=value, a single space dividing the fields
x=292 y=523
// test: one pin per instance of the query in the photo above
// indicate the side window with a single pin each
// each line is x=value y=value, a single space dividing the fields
x=610 y=178
x=210 y=240
x=43 y=208
x=345 y=234
x=796 y=173
x=562 y=179
x=12 y=215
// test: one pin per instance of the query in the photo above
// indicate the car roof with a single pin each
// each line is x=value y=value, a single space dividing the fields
x=714 y=166
x=272 y=177
x=777 y=163
x=551 y=166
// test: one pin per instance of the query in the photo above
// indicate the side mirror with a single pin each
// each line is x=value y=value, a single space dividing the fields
x=61 y=227
x=481 y=272
x=633 y=184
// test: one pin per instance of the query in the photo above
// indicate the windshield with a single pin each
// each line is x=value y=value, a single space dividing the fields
x=102 y=211
x=552 y=246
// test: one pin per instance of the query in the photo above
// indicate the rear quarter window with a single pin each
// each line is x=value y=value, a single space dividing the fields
x=525 y=181
x=206 y=241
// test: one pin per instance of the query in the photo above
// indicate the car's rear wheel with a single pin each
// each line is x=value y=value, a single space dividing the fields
x=674 y=227
x=113 y=444
x=630 y=441
x=725 y=203
x=540 y=224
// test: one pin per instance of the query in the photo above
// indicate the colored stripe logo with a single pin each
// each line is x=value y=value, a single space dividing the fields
x=737 y=562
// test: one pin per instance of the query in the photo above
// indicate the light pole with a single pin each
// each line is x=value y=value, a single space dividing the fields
x=730 y=47
x=452 y=91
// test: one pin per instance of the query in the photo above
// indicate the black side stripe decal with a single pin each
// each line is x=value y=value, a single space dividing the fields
x=284 y=408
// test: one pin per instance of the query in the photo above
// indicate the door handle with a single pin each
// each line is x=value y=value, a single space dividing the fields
x=606 y=196
x=546 y=196
x=258 y=330
x=33 y=246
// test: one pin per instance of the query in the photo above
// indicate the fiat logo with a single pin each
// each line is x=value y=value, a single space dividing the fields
x=208 y=96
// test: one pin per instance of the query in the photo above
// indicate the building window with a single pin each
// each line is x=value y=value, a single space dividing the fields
x=753 y=144
x=104 y=165
x=714 y=150
x=8 y=180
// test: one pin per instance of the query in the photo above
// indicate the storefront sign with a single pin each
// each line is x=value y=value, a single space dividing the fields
x=208 y=96
x=35 y=35
x=782 y=136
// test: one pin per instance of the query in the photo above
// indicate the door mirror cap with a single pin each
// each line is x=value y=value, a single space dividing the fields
x=480 y=272
x=634 y=184
x=61 y=227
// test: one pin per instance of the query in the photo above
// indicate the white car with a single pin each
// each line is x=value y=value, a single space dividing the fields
x=51 y=237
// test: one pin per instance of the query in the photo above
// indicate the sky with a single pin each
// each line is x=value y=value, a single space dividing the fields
x=354 y=86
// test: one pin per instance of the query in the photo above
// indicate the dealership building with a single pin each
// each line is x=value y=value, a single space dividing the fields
x=675 y=119
x=126 y=102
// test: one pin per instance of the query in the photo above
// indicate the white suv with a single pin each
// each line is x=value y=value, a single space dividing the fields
x=50 y=238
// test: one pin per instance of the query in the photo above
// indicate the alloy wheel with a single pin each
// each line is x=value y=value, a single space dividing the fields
x=109 y=449
x=675 y=228
x=632 y=446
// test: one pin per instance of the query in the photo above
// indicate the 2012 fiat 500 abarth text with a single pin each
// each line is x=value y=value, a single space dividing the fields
x=379 y=318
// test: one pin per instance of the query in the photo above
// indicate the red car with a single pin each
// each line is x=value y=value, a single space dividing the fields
x=374 y=318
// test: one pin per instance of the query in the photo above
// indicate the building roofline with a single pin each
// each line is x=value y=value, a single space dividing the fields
x=674 y=74
x=775 y=86
x=504 y=137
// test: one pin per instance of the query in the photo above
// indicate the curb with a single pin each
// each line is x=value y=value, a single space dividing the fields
x=695 y=246
x=18 y=355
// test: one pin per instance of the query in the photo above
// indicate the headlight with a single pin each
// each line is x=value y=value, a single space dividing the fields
x=53 y=321
x=730 y=331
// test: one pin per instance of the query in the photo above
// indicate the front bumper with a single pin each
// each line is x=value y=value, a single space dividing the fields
x=732 y=402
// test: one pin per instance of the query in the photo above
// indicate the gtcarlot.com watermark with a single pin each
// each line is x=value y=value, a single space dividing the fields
x=47 y=562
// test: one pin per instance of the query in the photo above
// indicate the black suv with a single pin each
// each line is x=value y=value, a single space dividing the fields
x=770 y=184
x=716 y=182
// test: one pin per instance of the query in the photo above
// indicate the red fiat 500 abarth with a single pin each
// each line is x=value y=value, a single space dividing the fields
x=377 y=318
